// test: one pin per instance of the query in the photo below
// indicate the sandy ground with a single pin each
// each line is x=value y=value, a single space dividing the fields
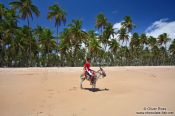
x=126 y=91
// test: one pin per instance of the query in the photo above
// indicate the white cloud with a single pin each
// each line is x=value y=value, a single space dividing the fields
x=161 y=26
x=117 y=26
x=84 y=29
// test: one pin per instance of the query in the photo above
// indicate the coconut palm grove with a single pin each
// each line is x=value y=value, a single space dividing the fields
x=26 y=46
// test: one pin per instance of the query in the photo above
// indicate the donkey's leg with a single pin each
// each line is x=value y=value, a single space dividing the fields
x=94 y=85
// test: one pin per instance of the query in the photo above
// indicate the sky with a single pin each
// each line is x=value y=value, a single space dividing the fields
x=152 y=17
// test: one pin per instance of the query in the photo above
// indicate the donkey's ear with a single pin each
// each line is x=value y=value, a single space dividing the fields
x=100 y=66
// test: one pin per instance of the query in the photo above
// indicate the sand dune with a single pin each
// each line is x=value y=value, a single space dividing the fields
x=126 y=91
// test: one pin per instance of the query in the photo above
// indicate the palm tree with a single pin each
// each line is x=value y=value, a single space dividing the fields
x=38 y=31
x=48 y=44
x=58 y=14
x=163 y=39
x=101 y=21
x=172 y=51
x=76 y=32
x=8 y=26
x=144 y=48
x=2 y=47
x=152 y=41
x=135 y=42
x=172 y=47
x=63 y=49
x=64 y=46
x=143 y=39
x=123 y=35
x=154 y=50
x=77 y=37
x=128 y=24
x=107 y=34
x=26 y=42
x=72 y=39
x=91 y=34
x=2 y=11
x=94 y=46
x=26 y=9
x=114 y=47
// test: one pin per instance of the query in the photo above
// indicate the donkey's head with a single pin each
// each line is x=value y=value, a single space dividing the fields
x=102 y=72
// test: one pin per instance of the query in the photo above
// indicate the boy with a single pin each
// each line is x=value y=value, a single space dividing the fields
x=88 y=70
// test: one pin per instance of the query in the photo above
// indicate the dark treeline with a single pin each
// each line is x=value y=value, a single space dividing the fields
x=29 y=47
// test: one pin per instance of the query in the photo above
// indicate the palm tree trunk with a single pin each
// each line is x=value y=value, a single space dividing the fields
x=48 y=57
x=165 y=55
x=29 y=42
x=4 y=48
x=57 y=40
x=101 y=31
x=57 y=31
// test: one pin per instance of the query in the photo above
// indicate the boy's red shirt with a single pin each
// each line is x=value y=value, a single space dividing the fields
x=87 y=66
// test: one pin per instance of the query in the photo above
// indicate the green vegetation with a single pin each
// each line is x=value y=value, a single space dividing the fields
x=26 y=46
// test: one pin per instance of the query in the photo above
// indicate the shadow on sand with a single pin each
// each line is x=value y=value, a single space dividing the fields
x=95 y=89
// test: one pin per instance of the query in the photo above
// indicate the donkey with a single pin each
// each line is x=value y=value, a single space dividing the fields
x=98 y=74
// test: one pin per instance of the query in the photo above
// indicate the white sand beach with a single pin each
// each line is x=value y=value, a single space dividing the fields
x=126 y=91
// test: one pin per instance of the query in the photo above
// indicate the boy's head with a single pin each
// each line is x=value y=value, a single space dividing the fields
x=88 y=59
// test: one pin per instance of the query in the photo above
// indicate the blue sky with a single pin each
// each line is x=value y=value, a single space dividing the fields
x=147 y=15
